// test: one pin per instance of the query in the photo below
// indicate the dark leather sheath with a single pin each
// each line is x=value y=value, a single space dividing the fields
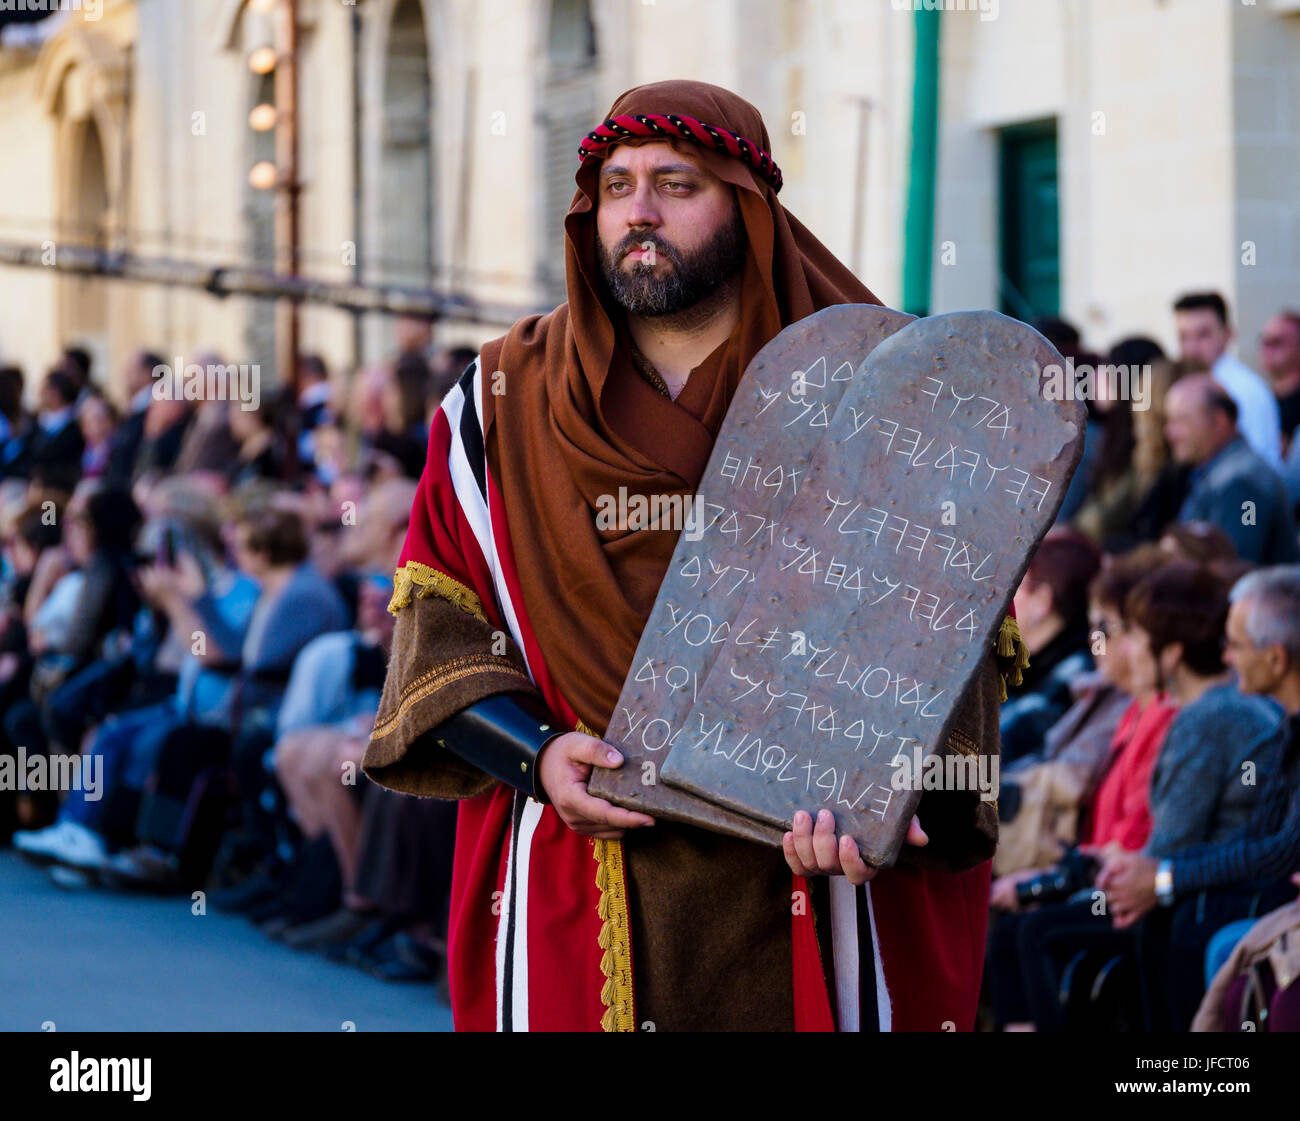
x=502 y=736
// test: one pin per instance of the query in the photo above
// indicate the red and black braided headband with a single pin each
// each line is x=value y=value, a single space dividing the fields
x=597 y=143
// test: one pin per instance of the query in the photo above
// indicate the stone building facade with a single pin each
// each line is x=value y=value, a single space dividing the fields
x=1094 y=157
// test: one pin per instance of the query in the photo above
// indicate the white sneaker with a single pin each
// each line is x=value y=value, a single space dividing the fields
x=78 y=847
x=39 y=844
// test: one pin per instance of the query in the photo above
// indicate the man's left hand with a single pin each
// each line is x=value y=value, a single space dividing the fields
x=1129 y=881
x=814 y=851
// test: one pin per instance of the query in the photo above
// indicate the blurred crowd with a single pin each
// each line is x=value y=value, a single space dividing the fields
x=1149 y=850
x=193 y=604
x=194 y=598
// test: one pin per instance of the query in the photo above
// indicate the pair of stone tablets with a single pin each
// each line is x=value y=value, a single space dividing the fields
x=871 y=503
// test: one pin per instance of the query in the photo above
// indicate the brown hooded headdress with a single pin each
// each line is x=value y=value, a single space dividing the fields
x=574 y=421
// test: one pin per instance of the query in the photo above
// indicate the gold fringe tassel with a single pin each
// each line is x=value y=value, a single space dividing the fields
x=430 y=581
x=1013 y=655
x=615 y=936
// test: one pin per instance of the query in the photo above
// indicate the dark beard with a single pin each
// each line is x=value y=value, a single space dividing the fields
x=692 y=278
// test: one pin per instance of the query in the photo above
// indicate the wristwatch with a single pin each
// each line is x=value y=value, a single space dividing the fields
x=503 y=736
x=1165 y=883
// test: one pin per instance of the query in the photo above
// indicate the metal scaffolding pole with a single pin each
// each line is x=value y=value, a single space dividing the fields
x=236 y=280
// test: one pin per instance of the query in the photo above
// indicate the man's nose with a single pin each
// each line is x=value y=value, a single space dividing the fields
x=642 y=209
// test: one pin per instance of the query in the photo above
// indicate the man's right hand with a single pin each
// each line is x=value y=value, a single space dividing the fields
x=564 y=768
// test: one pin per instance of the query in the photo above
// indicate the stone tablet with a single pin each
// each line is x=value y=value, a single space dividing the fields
x=881 y=587
x=781 y=409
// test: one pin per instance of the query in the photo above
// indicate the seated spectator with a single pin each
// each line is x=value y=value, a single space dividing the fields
x=1042 y=794
x=1065 y=337
x=1116 y=480
x=138 y=378
x=1231 y=487
x=403 y=886
x=1212 y=884
x=322 y=732
x=1116 y=811
x=1279 y=355
x=78 y=658
x=98 y=421
x=1153 y=460
x=56 y=444
x=15 y=424
x=380 y=414
x=296 y=603
x=361 y=534
x=1040 y=943
x=128 y=742
x=1051 y=610
x=259 y=455
x=1204 y=335
x=31 y=534
x=314 y=405
x=207 y=445
x=1197 y=793
x=165 y=424
x=1279 y=351
x=76 y=363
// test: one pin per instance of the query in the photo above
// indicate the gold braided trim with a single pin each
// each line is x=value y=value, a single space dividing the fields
x=961 y=743
x=441 y=676
x=1013 y=655
x=430 y=581
x=615 y=937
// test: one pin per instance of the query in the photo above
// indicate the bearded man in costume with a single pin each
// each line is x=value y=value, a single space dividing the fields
x=517 y=620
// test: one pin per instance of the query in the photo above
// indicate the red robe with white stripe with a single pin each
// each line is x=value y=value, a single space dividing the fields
x=524 y=939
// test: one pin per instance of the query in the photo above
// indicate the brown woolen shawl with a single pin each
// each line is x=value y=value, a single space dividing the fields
x=574 y=421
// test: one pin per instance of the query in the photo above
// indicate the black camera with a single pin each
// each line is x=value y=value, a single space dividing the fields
x=1075 y=872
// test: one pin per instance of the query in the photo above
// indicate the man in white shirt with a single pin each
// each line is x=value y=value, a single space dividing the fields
x=1203 y=336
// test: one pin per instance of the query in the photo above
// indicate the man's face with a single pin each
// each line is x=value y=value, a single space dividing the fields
x=668 y=231
x=1279 y=347
x=1201 y=337
x=1257 y=670
x=1192 y=429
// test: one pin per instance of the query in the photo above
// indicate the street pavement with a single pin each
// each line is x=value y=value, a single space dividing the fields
x=94 y=960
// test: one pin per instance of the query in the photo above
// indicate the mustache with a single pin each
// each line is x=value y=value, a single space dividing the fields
x=645 y=241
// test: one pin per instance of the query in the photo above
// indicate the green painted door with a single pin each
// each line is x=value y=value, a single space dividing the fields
x=1030 y=222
